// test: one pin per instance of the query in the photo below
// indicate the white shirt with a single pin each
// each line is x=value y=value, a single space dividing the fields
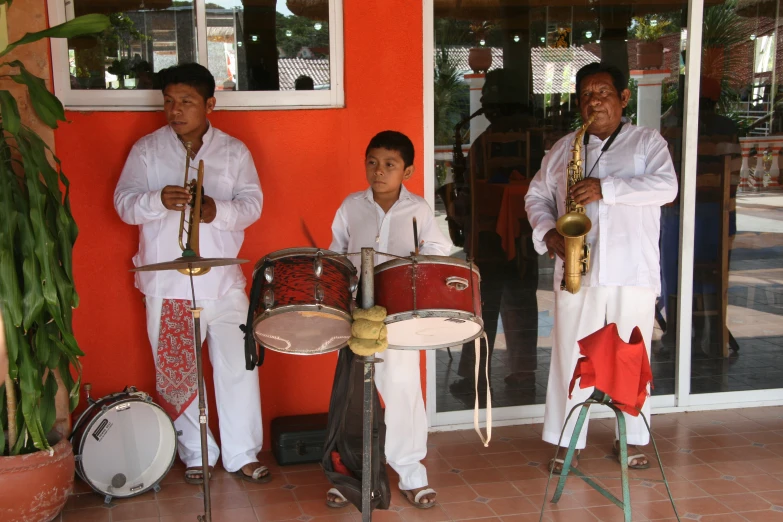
x=361 y=222
x=637 y=177
x=230 y=178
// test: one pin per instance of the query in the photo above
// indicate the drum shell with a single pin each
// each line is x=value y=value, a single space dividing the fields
x=87 y=423
x=394 y=282
x=294 y=280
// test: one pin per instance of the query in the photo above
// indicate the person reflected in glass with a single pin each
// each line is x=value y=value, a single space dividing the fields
x=304 y=83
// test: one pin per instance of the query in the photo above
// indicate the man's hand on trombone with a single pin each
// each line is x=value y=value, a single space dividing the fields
x=175 y=197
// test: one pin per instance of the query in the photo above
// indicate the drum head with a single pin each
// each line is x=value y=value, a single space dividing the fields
x=432 y=329
x=127 y=448
x=303 y=329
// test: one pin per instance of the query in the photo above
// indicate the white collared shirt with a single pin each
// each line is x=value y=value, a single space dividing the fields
x=230 y=178
x=637 y=177
x=361 y=222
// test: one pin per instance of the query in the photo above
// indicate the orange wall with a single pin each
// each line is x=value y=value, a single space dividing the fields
x=308 y=161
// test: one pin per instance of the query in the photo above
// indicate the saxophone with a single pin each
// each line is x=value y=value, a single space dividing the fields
x=574 y=224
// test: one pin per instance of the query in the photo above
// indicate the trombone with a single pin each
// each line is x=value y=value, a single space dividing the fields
x=189 y=245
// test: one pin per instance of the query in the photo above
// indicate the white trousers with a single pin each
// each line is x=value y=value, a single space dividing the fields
x=236 y=390
x=576 y=317
x=398 y=381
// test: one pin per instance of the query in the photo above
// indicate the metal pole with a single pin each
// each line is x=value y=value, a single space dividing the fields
x=202 y=405
x=368 y=300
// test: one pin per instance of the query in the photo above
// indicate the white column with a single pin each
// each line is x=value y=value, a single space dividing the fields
x=479 y=123
x=745 y=183
x=648 y=97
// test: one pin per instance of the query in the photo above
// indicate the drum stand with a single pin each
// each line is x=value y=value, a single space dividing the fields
x=368 y=301
x=202 y=405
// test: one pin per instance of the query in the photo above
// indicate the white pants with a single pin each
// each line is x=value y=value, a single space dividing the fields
x=236 y=389
x=577 y=316
x=398 y=381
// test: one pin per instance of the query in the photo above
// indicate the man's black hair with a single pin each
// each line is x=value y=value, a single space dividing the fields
x=619 y=80
x=304 y=83
x=192 y=74
x=393 y=140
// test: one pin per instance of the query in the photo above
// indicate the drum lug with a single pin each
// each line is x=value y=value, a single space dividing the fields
x=107 y=499
x=318 y=267
x=269 y=298
x=269 y=274
x=179 y=433
x=353 y=284
x=156 y=487
x=77 y=458
x=457 y=283
x=319 y=293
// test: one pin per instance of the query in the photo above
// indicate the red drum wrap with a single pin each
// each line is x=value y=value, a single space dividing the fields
x=431 y=301
x=306 y=301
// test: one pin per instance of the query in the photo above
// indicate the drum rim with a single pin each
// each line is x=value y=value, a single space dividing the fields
x=300 y=308
x=303 y=252
x=427 y=260
x=403 y=316
x=79 y=467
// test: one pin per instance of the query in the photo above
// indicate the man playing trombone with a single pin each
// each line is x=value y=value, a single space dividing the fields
x=152 y=195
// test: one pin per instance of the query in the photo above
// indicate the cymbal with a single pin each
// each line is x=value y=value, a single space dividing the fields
x=190 y=262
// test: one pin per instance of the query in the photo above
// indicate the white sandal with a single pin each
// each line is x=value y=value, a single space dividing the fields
x=334 y=504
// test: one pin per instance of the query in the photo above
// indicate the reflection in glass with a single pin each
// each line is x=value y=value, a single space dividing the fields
x=256 y=47
x=518 y=65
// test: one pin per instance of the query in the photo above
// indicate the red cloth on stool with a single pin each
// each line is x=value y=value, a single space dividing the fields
x=176 y=375
x=619 y=369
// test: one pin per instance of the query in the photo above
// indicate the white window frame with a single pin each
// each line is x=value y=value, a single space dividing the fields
x=150 y=100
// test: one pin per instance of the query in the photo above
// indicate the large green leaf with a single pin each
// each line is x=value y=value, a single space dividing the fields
x=87 y=24
x=9 y=112
x=48 y=409
x=46 y=105
x=3 y=418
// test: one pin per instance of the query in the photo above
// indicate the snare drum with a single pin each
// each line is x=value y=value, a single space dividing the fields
x=124 y=444
x=431 y=301
x=306 y=301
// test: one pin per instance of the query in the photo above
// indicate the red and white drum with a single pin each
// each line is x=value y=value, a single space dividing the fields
x=431 y=301
x=306 y=301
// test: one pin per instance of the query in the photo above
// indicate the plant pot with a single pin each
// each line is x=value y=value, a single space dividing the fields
x=35 y=487
x=649 y=55
x=480 y=59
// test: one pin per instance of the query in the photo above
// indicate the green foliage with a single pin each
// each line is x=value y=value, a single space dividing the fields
x=37 y=233
x=651 y=27
x=303 y=34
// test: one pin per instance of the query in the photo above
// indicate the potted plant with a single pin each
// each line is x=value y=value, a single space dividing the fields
x=38 y=350
x=649 y=51
x=480 y=57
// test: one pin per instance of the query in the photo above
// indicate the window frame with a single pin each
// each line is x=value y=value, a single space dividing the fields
x=151 y=100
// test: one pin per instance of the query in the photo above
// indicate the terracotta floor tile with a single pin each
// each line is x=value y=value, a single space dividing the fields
x=764 y=437
x=566 y=502
x=711 y=429
x=300 y=493
x=274 y=512
x=441 y=480
x=718 y=487
x=513 y=505
x=613 y=513
x=433 y=514
x=701 y=506
x=531 y=486
x=736 y=469
x=481 y=476
x=134 y=510
x=744 y=502
x=571 y=515
x=774 y=465
x=726 y=517
x=496 y=490
x=99 y=514
x=728 y=440
x=658 y=510
x=318 y=508
x=761 y=483
x=469 y=462
x=377 y=516
x=698 y=472
x=442 y=438
x=527 y=517
x=457 y=450
x=496 y=447
x=763 y=516
x=83 y=501
x=519 y=472
x=261 y=497
x=467 y=510
x=681 y=490
x=508 y=458
x=451 y=494
x=437 y=465
x=177 y=506
x=773 y=497
x=178 y=490
x=304 y=478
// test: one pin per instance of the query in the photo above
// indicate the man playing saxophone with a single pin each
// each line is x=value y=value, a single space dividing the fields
x=620 y=178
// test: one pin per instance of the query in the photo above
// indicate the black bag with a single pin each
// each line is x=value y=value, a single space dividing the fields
x=344 y=435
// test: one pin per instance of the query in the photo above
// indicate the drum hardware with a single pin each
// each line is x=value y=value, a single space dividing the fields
x=458 y=283
x=269 y=274
x=188 y=265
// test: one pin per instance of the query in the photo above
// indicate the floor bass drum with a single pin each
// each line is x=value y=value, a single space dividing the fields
x=306 y=298
x=124 y=444
x=431 y=301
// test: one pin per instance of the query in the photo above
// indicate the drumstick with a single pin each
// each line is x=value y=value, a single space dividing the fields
x=415 y=237
x=307 y=233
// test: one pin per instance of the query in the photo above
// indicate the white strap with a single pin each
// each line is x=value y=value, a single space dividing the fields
x=422 y=493
x=477 y=345
x=258 y=472
x=336 y=493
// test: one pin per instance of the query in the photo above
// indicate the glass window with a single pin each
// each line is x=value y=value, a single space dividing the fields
x=505 y=93
x=281 y=46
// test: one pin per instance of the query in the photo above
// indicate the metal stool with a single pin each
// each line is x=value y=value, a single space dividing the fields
x=599 y=397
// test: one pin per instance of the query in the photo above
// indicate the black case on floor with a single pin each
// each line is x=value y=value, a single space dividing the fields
x=299 y=439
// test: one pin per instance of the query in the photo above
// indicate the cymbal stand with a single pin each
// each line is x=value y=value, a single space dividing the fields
x=368 y=301
x=202 y=404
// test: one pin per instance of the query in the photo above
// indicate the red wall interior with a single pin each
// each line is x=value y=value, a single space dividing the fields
x=307 y=160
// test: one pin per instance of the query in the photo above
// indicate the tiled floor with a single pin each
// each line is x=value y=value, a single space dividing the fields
x=723 y=466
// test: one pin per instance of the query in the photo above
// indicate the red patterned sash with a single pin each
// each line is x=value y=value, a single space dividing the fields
x=175 y=364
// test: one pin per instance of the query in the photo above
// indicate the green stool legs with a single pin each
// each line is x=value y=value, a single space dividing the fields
x=599 y=397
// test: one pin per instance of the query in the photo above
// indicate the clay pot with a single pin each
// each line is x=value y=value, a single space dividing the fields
x=480 y=59
x=35 y=487
x=649 y=55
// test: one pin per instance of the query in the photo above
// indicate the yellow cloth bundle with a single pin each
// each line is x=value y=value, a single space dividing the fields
x=368 y=333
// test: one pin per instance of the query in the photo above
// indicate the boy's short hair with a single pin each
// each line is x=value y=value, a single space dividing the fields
x=193 y=74
x=619 y=80
x=393 y=140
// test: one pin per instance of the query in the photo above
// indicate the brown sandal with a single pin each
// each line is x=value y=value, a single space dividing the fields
x=415 y=500
x=195 y=475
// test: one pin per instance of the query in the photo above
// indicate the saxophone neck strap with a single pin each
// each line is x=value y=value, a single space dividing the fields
x=603 y=149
